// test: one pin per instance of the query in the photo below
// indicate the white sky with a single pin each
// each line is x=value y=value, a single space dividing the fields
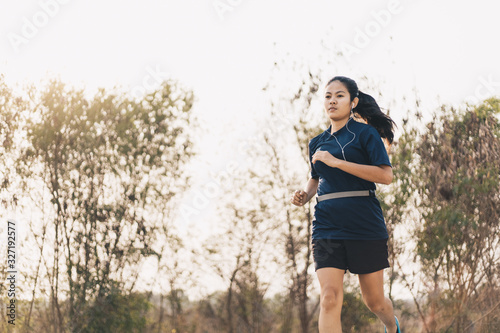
x=440 y=47
x=444 y=48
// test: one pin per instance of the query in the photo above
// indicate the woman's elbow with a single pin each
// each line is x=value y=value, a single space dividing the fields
x=388 y=175
x=389 y=179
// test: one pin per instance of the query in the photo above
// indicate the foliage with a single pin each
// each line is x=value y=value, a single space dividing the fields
x=106 y=165
x=116 y=312
x=355 y=315
x=104 y=170
x=452 y=172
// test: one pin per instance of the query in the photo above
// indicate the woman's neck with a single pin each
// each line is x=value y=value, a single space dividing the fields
x=337 y=125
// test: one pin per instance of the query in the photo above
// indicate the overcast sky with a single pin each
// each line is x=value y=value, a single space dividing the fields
x=224 y=50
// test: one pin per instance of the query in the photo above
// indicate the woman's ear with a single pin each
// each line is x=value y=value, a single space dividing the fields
x=355 y=102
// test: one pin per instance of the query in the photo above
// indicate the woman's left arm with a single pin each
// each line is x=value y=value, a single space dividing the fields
x=378 y=174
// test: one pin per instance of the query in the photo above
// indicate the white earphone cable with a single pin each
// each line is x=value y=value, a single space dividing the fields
x=354 y=136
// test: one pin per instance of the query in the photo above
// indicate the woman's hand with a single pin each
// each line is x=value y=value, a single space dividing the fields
x=299 y=198
x=325 y=157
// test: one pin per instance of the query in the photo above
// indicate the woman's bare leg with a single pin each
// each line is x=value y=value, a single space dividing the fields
x=372 y=289
x=331 y=281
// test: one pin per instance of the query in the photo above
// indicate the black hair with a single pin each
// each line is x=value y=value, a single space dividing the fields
x=368 y=109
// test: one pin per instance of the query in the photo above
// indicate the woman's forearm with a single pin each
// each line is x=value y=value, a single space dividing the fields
x=372 y=173
x=311 y=188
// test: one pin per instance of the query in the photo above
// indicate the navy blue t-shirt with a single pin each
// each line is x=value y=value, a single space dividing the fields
x=357 y=218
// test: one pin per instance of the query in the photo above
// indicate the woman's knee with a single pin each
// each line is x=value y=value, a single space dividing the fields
x=375 y=304
x=331 y=299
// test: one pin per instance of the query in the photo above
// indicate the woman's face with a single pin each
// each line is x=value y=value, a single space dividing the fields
x=337 y=101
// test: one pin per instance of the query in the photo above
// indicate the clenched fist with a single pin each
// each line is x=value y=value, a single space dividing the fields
x=325 y=157
x=299 y=198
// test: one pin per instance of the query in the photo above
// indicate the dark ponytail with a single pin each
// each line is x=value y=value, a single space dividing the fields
x=368 y=109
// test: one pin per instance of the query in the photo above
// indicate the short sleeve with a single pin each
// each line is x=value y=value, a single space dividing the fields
x=314 y=174
x=375 y=148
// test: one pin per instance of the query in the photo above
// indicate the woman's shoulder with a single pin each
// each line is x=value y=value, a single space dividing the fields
x=364 y=128
x=314 y=141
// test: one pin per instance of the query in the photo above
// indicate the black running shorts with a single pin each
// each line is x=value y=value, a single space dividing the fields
x=357 y=256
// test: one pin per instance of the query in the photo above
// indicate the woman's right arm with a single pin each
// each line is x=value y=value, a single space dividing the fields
x=300 y=198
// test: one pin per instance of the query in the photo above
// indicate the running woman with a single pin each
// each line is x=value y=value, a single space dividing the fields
x=349 y=231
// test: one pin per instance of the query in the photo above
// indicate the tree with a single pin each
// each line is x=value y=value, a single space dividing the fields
x=454 y=172
x=106 y=164
x=11 y=108
x=238 y=256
